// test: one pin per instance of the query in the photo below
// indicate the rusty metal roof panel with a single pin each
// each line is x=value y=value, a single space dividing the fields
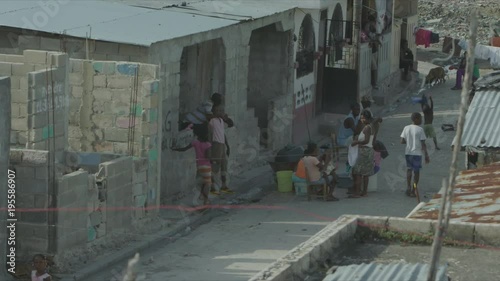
x=476 y=197
x=489 y=81
x=481 y=122
x=383 y=272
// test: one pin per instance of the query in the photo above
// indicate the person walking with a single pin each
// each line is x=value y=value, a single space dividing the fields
x=428 y=111
x=414 y=137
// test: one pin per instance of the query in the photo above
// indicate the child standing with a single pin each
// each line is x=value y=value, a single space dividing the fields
x=40 y=272
x=203 y=155
x=219 y=144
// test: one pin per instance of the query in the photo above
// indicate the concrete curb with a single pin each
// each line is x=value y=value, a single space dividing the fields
x=177 y=232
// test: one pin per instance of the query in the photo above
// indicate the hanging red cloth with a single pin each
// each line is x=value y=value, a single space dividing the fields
x=423 y=37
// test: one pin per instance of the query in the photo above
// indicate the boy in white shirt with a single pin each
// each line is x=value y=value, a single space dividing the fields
x=414 y=137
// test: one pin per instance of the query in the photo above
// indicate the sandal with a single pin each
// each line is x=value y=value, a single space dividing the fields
x=332 y=198
x=226 y=190
x=214 y=192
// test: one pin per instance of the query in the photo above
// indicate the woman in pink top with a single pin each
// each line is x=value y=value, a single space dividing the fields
x=203 y=155
x=40 y=272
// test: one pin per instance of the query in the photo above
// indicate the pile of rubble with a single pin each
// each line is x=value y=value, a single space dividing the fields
x=451 y=17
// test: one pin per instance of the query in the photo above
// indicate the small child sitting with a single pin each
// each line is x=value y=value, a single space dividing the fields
x=40 y=272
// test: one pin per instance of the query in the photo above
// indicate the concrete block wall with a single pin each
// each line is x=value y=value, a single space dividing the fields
x=74 y=47
x=72 y=203
x=32 y=192
x=17 y=67
x=100 y=105
x=118 y=175
x=48 y=104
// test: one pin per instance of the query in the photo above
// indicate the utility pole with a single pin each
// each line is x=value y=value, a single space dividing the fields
x=446 y=203
x=5 y=115
x=356 y=43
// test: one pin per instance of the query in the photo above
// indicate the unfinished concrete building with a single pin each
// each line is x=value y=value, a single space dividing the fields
x=91 y=135
x=214 y=51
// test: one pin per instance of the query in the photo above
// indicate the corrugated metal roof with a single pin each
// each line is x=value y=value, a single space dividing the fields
x=476 y=199
x=109 y=21
x=235 y=10
x=489 y=81
x=481 y=127
x=383 y=272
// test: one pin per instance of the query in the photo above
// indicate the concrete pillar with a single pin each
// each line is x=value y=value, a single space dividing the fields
x=5 y=113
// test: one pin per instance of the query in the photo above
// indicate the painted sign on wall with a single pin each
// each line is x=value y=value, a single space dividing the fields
x=44 y=100
x=304 y=96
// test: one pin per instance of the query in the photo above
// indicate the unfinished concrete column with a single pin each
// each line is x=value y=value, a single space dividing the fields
x=5 y=109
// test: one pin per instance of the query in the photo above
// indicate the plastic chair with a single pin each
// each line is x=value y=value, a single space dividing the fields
x=311 y=186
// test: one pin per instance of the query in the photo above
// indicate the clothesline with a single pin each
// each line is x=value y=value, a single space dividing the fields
x=484 y=52
x=425 y=37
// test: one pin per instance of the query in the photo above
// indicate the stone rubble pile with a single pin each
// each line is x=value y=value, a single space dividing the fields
x=451 y=17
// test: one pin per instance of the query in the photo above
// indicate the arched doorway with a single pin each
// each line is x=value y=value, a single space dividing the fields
x=336 y=35
x=306 y=46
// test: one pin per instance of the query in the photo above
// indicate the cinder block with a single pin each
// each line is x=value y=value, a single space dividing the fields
x=76 y=65
x=121 y=95
x=120 y=148
x=42 y=173
x=22 y=137
x=100 y=81
x=118 y=58
x=19 y=124
x=5 y=69
x=102 y=94
x=99 y=57
x=33 y=230
x=129 y=69
x=23 y=110
x=106 y=48
x=41 y=201
x=131 y=50
x=22 y=69
x=29 y=42
x=104 y=67
x=103 y=121
x=58 y=59
x=50 y=44
x=37 y=120
x=14 y=58
x=15 y=83
x=25 y=172
x=119 y=82
x=149 y=129
x=150 y=101
x=31 y=56
x=76 y=79
x=127 y=122
x=77 y=91
x=23 y=83
x=13 y=137
x=32 y=186
x=149 y=70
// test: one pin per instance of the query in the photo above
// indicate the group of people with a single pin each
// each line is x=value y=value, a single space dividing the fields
x=211 y=147
x=359 y=129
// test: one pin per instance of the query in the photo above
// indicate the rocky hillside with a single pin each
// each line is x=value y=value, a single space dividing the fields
x=451 y=17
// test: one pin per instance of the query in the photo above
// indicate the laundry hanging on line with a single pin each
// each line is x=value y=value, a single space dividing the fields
x=426 y=37
x=484 y=52
x=448 y=45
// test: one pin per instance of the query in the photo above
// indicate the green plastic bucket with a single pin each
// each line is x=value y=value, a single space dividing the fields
x=284 y=181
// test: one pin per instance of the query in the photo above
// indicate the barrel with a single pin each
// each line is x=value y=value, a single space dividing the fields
x=284 y=179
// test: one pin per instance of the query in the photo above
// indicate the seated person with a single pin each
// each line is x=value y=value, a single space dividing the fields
x=461 y=72
x=315 y=168
x=406 y=59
